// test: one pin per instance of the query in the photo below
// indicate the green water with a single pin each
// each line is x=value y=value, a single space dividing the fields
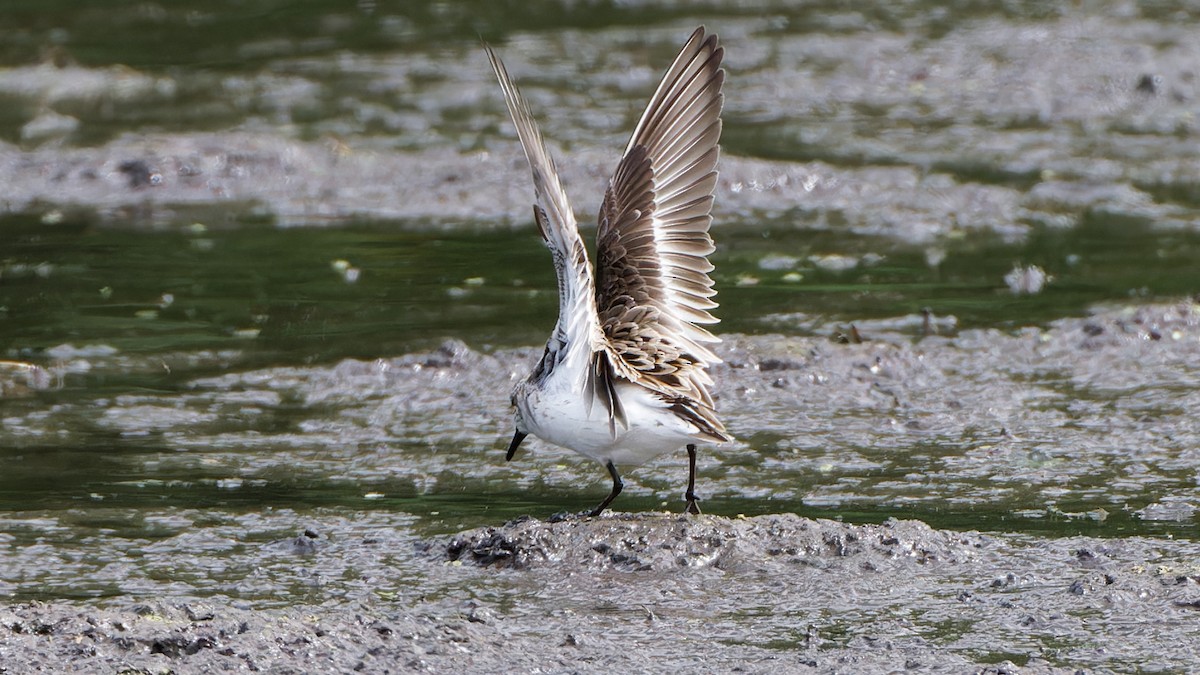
x=187 y=288
x=269 y=297
x=225 y=290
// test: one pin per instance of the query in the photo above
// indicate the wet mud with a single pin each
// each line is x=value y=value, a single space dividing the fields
x=640 y=592
x=360 y=516
x=927 y=423
x=1089 y=418
x=1000 y=124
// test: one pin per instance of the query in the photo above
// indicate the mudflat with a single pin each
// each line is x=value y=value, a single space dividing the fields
x=215 y=458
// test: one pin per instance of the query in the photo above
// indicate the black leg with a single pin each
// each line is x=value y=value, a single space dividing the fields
x=690 y=495
x=516 y=442
x=617 y=487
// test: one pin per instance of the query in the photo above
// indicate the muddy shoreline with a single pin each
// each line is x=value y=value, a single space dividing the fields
x=995 y=125
x=156 y=181
x=763 y=594
x=366 y=589
x=359 y=516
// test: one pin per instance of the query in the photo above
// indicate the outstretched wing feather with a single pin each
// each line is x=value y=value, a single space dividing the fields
x=577 y=326
x=653 y=291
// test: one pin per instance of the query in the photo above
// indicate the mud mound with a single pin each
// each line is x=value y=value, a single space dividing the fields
x=643 y=542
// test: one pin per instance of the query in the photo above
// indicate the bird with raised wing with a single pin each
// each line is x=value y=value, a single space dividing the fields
x=624 y=376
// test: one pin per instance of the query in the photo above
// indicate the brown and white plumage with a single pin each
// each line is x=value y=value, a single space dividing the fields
x=631 y=338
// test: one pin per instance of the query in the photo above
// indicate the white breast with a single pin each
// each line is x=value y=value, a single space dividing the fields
x=559 y=413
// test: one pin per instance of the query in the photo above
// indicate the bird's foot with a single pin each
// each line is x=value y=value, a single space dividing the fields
x=693 y=507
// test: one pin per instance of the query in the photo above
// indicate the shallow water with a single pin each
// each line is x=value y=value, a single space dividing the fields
x=315 y=295
x=210 y=210
x=127 y=320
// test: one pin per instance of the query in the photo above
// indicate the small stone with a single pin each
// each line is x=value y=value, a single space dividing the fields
x=199 y=612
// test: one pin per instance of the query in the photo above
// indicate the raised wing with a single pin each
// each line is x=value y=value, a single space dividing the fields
x=577 y=325
x=653 y=289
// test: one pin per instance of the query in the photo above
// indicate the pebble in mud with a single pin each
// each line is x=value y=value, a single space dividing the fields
x=304 y=544
x=139 y=173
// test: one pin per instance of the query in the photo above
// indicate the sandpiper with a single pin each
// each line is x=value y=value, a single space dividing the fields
x=624 y=375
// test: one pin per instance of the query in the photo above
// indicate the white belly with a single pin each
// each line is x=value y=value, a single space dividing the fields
x=560 y=414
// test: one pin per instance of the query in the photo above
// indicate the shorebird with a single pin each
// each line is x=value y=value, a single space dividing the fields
x=624 y=376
